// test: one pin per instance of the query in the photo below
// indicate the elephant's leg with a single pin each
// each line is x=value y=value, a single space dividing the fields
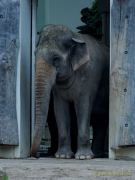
x=83 y=109
x=62 y=114
x=52 y=128
x=100 y=140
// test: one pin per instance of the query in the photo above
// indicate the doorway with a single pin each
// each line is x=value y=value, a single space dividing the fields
x=60 y=12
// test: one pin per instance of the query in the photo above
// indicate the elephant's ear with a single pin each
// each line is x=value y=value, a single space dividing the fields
x=78 y=53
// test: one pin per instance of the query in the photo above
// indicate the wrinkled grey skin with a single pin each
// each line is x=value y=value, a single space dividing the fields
x=71 y=65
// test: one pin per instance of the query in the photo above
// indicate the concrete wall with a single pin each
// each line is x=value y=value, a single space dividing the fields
x=22 y=85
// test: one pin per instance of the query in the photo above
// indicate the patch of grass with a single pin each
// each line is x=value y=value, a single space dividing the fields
x=5 y=177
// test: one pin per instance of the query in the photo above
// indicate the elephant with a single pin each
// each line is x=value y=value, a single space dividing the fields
x=71 y=66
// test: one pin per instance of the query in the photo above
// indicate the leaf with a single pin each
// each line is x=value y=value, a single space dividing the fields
x=93 y=20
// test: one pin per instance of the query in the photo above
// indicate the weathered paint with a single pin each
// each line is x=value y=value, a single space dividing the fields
x=122 y=81
x=21 y=83
x=9 y=47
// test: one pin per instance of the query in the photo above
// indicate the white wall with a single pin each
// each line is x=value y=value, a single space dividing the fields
x=23 y=86
x=65 y=12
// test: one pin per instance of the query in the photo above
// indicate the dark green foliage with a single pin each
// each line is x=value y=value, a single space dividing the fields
x=93 y=20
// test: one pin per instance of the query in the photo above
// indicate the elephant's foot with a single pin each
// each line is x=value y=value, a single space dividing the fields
x=84 y=153
x=64 y=154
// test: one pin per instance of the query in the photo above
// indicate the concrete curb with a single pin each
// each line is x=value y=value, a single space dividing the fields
x=54 y=169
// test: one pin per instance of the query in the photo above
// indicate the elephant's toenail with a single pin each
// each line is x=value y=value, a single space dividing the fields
x=88 y=157
x=82 y=157
x=57 y=156
x=62 y=156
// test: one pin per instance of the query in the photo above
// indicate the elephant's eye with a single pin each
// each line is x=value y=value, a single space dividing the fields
x=56 y=60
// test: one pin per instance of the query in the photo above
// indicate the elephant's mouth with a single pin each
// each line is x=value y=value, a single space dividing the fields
x=65 y=81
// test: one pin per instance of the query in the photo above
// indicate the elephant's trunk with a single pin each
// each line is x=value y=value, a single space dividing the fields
x=45 y=77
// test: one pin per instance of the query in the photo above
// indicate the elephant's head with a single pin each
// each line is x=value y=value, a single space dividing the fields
x=59 y=53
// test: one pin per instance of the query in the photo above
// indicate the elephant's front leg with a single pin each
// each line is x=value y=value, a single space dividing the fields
x=83 y=108
x=62 y=115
